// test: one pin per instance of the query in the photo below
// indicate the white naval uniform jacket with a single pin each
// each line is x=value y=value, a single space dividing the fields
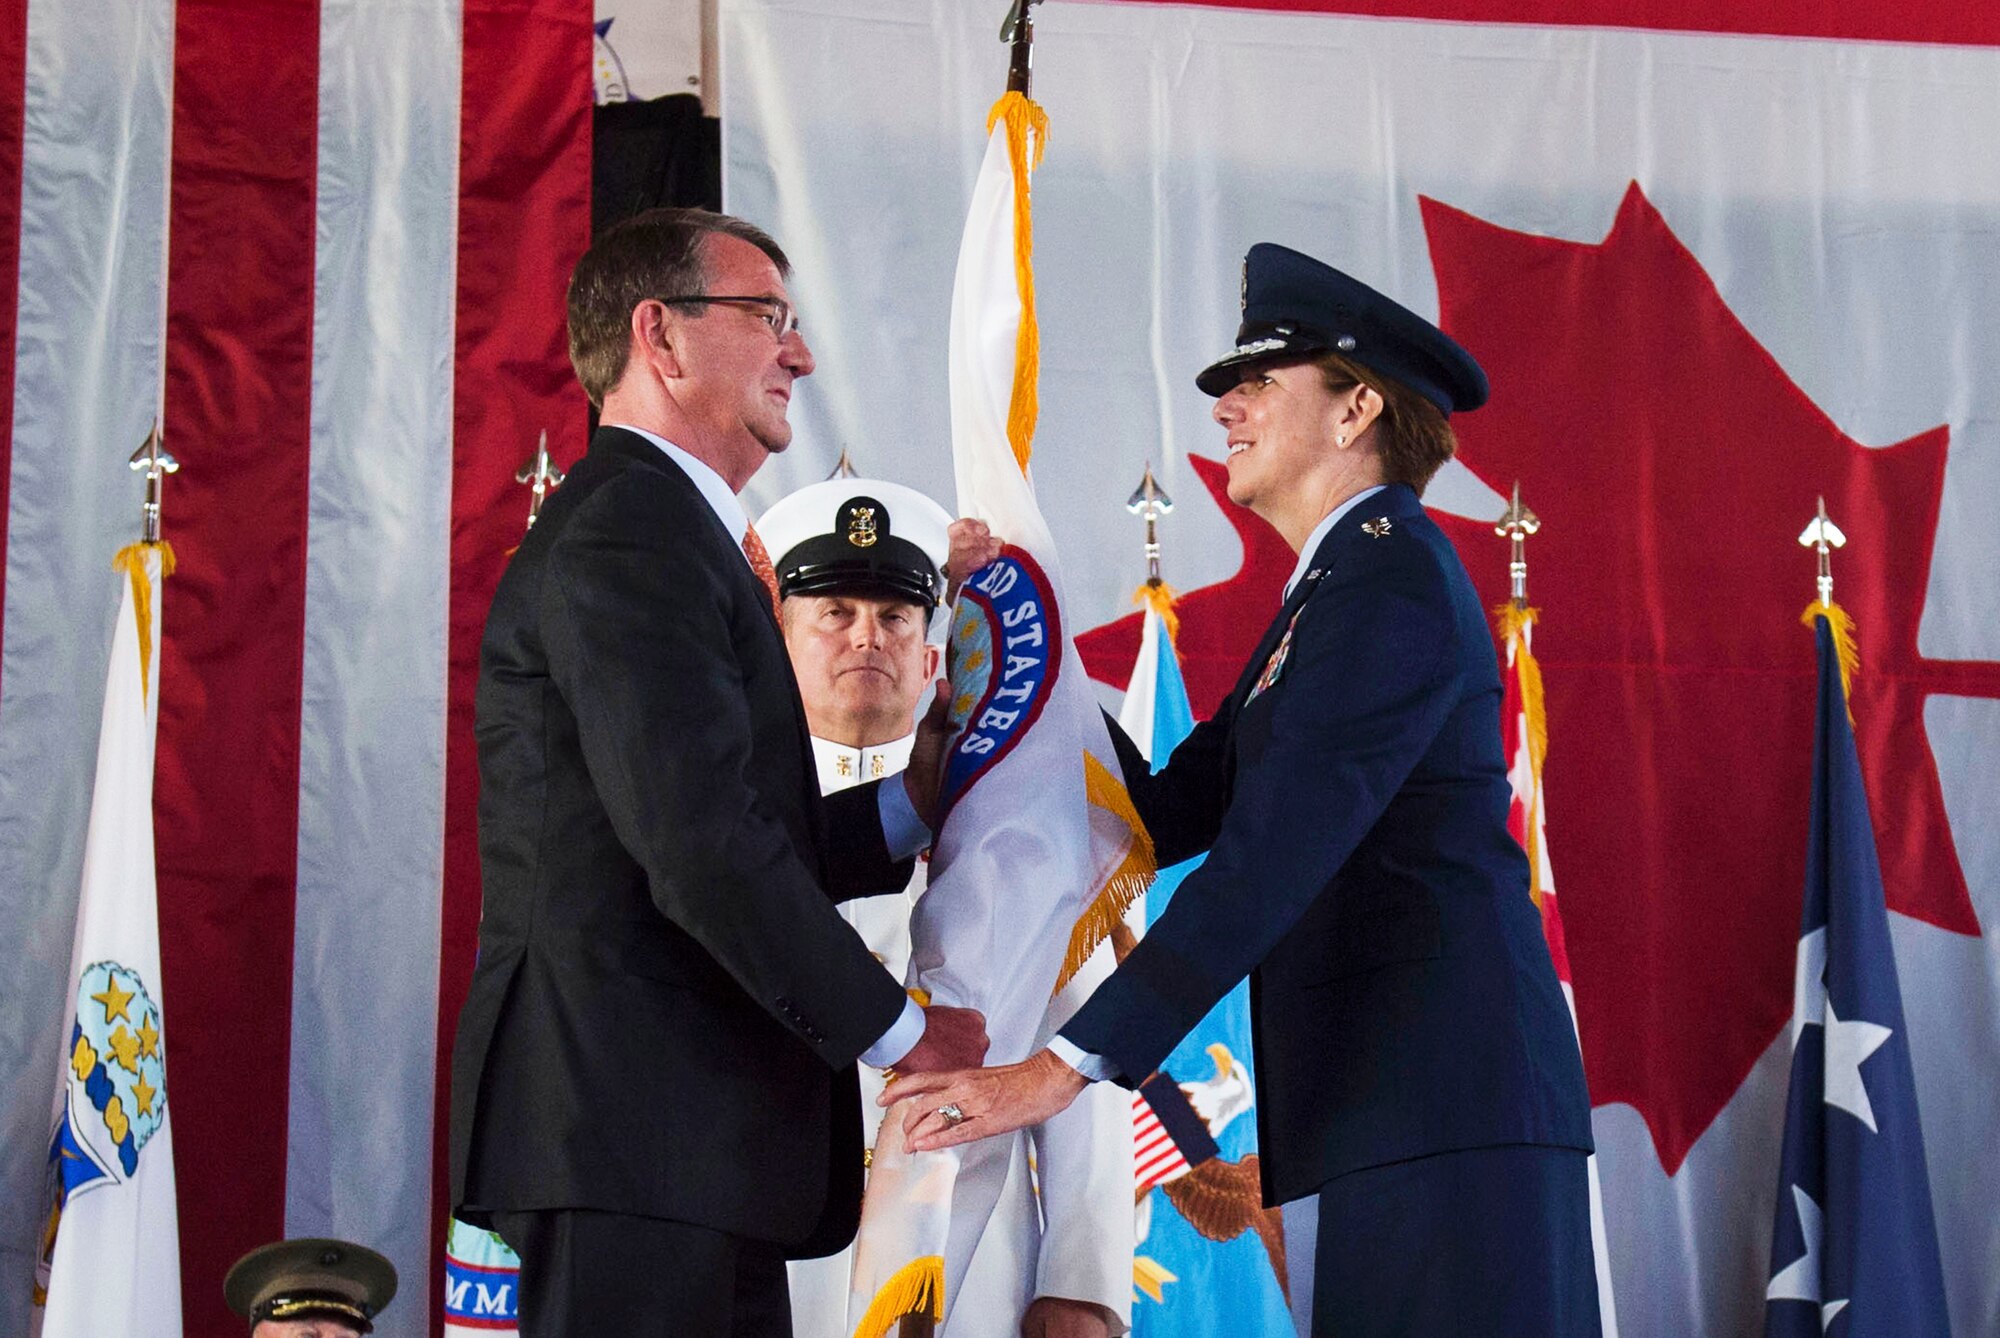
x=1002 y=1253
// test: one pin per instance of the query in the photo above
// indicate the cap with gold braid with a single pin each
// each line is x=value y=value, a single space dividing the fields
x=311 y=1279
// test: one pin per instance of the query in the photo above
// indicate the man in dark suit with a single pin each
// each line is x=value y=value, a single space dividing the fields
x=1421 y=1098
x=654 y=1096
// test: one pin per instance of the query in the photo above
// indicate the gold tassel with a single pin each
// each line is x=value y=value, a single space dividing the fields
x=1161 y=599
x=1843 y=646
x=1025 y=120
x=1127 y=883
x=131 y=559
x=917 y=1288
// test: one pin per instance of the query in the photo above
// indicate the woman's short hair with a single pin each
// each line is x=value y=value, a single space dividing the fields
x=652 y=255
x=1412 y=435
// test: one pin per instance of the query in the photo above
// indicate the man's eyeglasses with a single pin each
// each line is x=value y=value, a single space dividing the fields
x=775 y=311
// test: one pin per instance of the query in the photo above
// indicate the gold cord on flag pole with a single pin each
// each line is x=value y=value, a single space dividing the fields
x=1823 y=536
x=1027 y=135
x=541 y=475
x=1150 y=501
x=153 y=460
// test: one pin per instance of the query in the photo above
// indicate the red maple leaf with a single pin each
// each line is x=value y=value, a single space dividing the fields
x=1220 y=623
x=1673 y=464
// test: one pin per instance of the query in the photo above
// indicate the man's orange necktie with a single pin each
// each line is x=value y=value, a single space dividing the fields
x=760 y=562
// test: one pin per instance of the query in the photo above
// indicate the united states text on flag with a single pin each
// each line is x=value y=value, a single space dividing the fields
x=1039 y=853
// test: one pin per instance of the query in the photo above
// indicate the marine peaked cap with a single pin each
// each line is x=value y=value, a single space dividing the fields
x=854 y=536
x=1295 y=306
x=311 y=1279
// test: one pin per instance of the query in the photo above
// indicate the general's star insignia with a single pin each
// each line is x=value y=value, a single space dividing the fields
x=1376 y=528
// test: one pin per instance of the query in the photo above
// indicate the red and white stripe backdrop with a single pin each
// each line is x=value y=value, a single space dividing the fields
x=353 y=222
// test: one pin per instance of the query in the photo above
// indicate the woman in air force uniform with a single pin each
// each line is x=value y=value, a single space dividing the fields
x=1420 y=1095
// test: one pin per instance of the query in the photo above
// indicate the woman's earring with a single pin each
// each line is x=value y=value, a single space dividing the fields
x=1340 y=438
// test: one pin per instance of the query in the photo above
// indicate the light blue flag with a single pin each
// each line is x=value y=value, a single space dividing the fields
x=1190 y=1283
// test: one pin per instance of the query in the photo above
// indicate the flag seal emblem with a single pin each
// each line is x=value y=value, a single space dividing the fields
x=116 y=1077
x=1005 y=657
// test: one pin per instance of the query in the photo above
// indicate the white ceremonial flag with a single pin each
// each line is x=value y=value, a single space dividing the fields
x=1039 y=852
x=110 y=1254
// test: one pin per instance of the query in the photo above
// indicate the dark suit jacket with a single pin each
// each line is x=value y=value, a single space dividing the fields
x=1359 y=868
x=667 y=1008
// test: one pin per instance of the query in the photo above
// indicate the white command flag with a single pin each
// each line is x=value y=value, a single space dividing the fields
x=109 y=1261
x=1039 y=852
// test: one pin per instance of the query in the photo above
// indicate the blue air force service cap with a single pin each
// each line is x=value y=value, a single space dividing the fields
x=1295 y=306
x=854 y=536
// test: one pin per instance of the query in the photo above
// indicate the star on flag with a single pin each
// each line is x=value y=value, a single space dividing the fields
x=1799 y=1280
x=1848 y=1043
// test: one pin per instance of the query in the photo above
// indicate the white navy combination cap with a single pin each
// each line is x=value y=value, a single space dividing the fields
x=856 y=536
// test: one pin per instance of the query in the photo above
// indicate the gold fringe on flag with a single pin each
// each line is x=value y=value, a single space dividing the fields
x=1161 y=599
x=1026 y=122
x=1127 y=883
x=131 y=560
x=917 y=1288
x=1843 y=645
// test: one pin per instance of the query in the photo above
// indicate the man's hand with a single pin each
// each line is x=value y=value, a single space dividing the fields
x=988 y=1101
x=972 y=547
x=923 y=775
x=1060 y=1317
x=954 y=1038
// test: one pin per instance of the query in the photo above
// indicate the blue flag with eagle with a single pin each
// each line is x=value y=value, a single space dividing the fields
x=1208 y=1256
x=1854 y=1250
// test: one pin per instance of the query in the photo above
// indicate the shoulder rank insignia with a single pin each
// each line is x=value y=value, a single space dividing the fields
x=1377 y=527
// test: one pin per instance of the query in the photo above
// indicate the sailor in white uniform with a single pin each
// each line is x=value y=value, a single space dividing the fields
x=859 y=568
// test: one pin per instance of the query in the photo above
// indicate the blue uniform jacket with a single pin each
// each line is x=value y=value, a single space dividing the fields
x=1351 y=796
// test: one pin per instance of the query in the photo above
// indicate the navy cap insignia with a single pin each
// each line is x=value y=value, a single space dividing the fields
x=1377 y=527
x=861 y=526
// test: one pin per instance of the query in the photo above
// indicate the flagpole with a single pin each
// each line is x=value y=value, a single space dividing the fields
x=1018 y=31
x=1516 y=524
x=157 y=464
x=1823 y=536
x=1150 y=501
x=541 y=475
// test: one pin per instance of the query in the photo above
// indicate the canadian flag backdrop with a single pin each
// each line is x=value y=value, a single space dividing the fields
x=1719 y=261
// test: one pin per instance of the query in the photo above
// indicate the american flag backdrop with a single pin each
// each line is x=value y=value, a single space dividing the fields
x=326 y=245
